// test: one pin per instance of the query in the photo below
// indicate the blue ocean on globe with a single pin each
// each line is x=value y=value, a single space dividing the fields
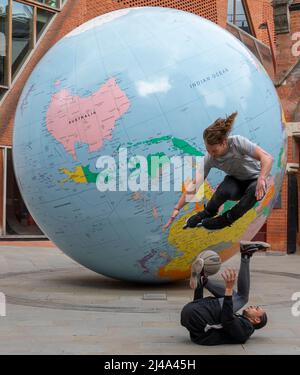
x=146 y=80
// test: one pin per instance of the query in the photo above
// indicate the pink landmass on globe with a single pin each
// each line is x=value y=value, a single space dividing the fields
x=90 y=120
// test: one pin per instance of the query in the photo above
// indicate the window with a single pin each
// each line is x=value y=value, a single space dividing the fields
x=236 y=14
x=15 y=218
x=51 y=3
x=22 y=33
x=22 y=24
x=42 y=19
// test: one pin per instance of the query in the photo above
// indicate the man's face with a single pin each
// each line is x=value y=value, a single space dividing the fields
x=217 y=150
x=254 y=313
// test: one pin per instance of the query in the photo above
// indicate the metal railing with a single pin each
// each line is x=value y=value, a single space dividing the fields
x=260 y=50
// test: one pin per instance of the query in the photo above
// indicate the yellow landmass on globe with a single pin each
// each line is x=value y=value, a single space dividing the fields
x=269 y=196
x=191 y=242
x=77 y=176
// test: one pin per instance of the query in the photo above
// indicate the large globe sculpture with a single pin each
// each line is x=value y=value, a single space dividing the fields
x=139 y=81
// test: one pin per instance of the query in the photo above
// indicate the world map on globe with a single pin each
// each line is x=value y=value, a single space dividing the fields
x=148 y=80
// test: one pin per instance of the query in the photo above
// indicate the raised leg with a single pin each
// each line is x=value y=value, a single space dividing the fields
x=239 y=297
x=246 y=202
x=229 y=189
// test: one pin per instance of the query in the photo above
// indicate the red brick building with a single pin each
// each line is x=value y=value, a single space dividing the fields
x=269 y=28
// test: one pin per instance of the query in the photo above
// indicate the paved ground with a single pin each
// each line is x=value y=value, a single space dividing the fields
x=55 y=306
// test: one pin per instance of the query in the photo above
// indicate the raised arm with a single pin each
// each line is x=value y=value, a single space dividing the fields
x=191 y=189
x=232 y=325
x=186 y=196
x=266 y=162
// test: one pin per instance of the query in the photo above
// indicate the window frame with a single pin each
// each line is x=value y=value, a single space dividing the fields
x=31 y=41
x=8 y=47
x=247 y=15
x=8 y=79
x=44 y=6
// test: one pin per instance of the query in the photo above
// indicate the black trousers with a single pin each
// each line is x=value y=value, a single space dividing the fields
x=233 y=189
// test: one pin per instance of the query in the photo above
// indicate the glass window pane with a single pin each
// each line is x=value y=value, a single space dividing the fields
x=22 y=20
x=250 y=43
x=240 y=15
x=43 y=18
x=241 y=19
x=230 y=11
x=51 y=3
x=3 y=24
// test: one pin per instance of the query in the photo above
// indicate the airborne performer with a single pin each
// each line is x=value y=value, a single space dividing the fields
x=247 y=167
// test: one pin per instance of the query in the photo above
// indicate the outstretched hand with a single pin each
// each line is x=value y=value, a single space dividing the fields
x=172 y=218
x=229 y=276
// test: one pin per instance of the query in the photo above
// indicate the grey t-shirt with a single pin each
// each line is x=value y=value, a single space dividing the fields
x=237 y=162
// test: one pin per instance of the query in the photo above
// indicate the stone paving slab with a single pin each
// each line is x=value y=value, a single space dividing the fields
x=55 y=306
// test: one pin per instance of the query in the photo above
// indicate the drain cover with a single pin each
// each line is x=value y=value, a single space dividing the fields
x=155 y=296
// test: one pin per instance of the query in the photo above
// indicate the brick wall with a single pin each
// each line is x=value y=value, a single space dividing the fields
x=222 y=12
x=268 y=15
x=290 y=98
x=206 y=8
x=284 y=43
x=277 y=223
x=262 y=11
x=289 y=54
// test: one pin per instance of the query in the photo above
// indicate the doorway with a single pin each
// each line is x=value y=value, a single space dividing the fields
x=292 y=215
x=15 y=217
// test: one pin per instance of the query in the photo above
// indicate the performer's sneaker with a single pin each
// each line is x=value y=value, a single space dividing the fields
x=248 y=248
x=193 y=221
x=196 y=272
x=218 y=222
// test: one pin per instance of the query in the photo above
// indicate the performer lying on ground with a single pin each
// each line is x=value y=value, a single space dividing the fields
x=213 y=320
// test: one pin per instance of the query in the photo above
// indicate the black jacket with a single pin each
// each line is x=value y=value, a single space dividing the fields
x=197 y=314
